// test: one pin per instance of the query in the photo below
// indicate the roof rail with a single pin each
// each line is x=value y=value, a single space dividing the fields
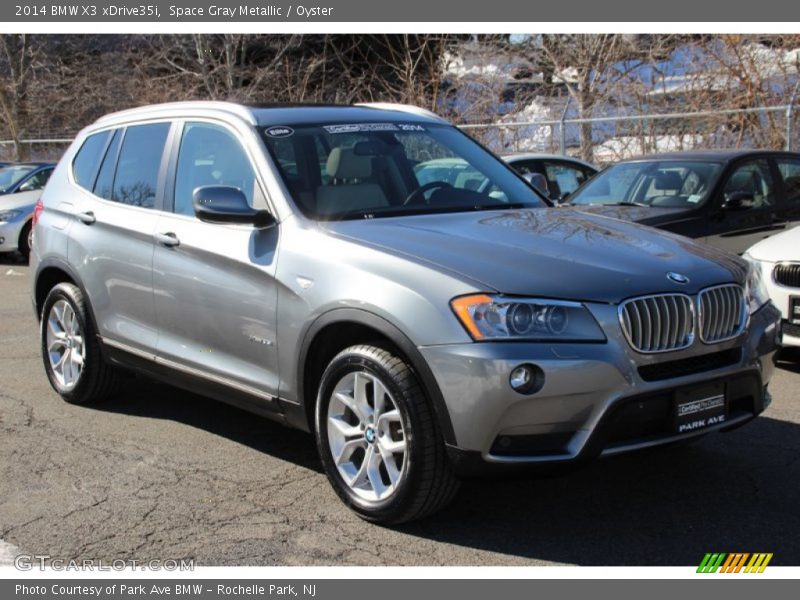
x=166 y=107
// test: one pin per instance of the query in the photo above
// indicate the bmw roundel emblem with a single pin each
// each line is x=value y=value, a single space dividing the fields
x=370 y=434
x=678 y=278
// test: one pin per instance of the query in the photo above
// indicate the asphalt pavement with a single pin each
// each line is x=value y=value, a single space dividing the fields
x=158 y=473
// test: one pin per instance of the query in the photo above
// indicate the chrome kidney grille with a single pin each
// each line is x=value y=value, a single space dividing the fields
x=666 y=322
x=722 y=313
x=658 y=323
x=787 y=274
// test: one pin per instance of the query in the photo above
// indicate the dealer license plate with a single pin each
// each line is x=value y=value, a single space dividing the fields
x=700 y=407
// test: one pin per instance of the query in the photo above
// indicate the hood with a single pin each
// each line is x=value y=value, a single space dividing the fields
x=19 y=200
x=777 y=248
x=549 y=252
x=637 y=214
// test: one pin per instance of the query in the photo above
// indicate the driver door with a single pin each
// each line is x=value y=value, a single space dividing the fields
x=215 y=292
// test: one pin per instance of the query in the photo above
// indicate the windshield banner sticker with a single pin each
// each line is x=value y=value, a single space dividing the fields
x=360 y=127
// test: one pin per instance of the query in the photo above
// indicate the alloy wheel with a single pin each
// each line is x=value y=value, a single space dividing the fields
x=66 y=349
x=366 y=438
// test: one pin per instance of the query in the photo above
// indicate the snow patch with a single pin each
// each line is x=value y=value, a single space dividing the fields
x=620 y=148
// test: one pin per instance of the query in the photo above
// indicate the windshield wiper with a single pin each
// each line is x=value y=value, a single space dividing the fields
x=422 y=210
x=500 y=206
x=358 y=214
x=623 y=203
x=628 y=204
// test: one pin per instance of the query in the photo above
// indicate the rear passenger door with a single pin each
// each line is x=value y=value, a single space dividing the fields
x=111 y=244
x=215 y=293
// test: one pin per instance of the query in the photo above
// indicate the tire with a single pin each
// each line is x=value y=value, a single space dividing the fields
x=393 y=467
x=83 y=377
x=25 y=241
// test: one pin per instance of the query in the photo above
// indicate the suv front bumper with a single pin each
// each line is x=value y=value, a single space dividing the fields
x=597 y=398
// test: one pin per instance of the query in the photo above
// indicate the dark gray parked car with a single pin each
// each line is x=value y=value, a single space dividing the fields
x=288 y=260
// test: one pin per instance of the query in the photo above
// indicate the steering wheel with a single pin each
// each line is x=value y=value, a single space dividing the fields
x=420 y=191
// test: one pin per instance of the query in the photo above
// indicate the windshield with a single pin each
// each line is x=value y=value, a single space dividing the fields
x=10 y=176
x=371 y=170
x=665 y=184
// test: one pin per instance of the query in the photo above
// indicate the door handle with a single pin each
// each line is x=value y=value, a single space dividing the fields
x=87 y=217
x=169 y=239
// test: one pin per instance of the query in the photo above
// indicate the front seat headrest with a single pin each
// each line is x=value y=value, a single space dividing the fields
x=343 y=163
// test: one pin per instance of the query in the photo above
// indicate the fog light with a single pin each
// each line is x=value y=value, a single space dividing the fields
x=526 y=379
x=2 y=241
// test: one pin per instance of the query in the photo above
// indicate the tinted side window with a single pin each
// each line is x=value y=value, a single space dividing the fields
x=751 y=180
x=790 y=172
x=37 y=181
x=563 y=178
x=84 y=166
x=139 y=161
x=525 y=167
x=104 y=185
x=210 y=155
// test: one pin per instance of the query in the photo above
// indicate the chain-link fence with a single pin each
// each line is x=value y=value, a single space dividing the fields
x=611 y=138
x=38 y=149
x=608 y=139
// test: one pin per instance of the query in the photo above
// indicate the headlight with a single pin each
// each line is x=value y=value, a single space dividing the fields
x=8 y=215
x=755 y=290
x=501 y=318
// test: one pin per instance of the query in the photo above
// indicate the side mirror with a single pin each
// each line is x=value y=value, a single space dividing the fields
x=227 y=204
x=538 y=182
x=738 y=201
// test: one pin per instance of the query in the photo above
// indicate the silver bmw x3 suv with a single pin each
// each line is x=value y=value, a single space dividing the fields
x=289 y=261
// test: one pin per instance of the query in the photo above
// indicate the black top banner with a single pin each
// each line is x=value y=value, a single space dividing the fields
x=462 y=11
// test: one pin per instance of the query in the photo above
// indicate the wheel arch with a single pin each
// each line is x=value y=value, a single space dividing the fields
x=49 y=274
x=28 y=223
x=340 y=328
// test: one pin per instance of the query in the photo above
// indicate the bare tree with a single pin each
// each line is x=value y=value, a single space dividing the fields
x=405 y=68
x=219 y=67
x=18 y=57
x=52 y=85
x=588 y=66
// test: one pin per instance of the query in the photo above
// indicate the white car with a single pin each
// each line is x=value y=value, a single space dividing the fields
x=20 y=187
x=15 y=222
x=779 y=259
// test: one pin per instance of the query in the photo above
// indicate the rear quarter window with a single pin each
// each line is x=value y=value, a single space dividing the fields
x=87 y=160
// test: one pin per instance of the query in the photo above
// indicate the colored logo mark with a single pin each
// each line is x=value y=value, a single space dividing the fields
x=737 y=562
